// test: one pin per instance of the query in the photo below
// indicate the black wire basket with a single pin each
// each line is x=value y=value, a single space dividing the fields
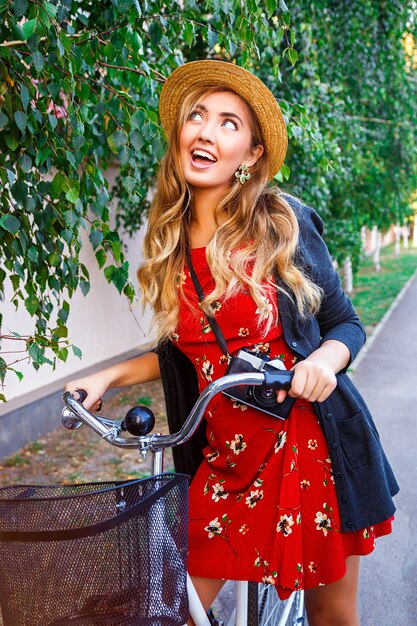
x=95 y=554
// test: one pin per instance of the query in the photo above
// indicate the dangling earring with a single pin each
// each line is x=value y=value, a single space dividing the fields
x=243 y=173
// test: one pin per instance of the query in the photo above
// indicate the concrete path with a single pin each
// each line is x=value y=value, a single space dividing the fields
x=387 y=378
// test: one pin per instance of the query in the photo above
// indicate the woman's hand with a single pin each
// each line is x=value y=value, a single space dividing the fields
x=141 y=369
x=95 y=385
x=315 y=377
x=313 y=381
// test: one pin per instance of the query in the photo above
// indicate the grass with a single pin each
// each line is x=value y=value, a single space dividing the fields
x=374 y=292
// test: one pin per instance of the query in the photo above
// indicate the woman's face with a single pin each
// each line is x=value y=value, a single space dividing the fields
x=215 y=140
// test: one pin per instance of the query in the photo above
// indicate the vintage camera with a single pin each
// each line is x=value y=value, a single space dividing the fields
x=262 y=397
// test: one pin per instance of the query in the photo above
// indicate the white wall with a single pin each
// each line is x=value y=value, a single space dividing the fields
x=102 y=325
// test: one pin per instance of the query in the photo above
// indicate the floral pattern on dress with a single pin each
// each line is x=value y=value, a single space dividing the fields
x=263 y=504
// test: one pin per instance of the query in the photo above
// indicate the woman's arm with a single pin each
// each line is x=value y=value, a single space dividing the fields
x=342 y=333
x=337 y=318
x=141 y=369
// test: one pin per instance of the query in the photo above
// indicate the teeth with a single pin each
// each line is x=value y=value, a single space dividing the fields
x=205 y=155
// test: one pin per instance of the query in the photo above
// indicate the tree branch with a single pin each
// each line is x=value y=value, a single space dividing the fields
x=159 y=76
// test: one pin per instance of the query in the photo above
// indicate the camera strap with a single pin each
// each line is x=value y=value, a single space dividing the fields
x=211 y=320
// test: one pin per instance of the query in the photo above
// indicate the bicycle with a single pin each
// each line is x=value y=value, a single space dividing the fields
x=141 y=523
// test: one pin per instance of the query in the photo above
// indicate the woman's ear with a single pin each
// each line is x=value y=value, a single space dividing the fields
x=254 y=155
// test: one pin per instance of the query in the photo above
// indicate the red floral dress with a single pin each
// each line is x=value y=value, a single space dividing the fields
x=263 y=503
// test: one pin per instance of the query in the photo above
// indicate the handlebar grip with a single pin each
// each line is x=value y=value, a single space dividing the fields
x=82 y=393
x=280 y=379
x=68 y=419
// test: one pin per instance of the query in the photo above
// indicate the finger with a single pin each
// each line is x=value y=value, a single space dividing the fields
x=316 y=392
x=281 y=395
x=98 y=405
x=328 y=389
x=298 y=383
x=312 y=384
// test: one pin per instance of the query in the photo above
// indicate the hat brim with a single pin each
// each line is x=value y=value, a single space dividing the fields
x=242 y=82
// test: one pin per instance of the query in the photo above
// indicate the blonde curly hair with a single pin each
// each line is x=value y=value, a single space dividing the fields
x=256 y=237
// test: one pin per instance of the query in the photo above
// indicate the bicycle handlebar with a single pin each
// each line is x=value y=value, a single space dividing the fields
x=110 y=429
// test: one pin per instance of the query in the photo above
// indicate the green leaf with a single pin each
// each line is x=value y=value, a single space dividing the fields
x=271 y=7
x=12 y=140
x=21 y=120
x=66 y=41
x=3 y=369
x=71 y=218
x=3 y=120
x=63 y=314
x=85 y=287
x=51 y=9
x=77 y=351
x=32 y=304
x=72 y=195
x=212 y=37
x=33 y=254
x=20 y=7
x=117 y=140
x=38 y=61
x=108 y=272
x=292 y=56
x=29 y=28
x=189 y=33
x=36 y=353
x=285 y=171
x=296 y=131
x=283 y=6
x=138 y=119
x=54 y=259
x=101 y=257
x=18 y=374
x=53 y=121
x=25 y=163
x=155 y=32
x=232 y=48
x=10 y=223
x=129 y=183
x=20 y=192
x=62 y=354
x=59 y=184
x=119 y=276
x=96 y=237
x=24 y=96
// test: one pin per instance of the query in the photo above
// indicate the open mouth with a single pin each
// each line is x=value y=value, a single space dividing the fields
x=202 y=158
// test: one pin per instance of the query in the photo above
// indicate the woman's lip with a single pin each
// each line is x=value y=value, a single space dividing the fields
x=202 y=166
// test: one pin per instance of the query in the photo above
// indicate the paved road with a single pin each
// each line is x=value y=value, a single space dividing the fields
x=387 y=378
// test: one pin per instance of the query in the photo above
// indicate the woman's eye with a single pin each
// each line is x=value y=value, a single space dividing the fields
x=196 y=115
x=230 y=124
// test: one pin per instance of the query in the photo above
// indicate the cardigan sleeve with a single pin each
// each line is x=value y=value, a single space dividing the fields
x=337 y=318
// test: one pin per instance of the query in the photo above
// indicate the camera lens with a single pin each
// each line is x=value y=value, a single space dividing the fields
x=264 y=396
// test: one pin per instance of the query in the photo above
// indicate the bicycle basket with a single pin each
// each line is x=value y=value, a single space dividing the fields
x=97 y=554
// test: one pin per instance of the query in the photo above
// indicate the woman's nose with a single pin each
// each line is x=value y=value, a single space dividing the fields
x=207 y=133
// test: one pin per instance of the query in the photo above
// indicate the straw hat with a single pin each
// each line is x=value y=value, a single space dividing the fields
x=242 y=82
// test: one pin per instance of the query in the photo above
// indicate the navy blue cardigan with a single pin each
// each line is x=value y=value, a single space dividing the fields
x=363 y=477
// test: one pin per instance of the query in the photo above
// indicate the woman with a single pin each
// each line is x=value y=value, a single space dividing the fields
x=291 y=502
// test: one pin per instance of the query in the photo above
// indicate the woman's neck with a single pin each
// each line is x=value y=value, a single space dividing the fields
x=203 y=224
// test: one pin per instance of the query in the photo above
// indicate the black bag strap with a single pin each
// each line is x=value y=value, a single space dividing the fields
x=211 y=320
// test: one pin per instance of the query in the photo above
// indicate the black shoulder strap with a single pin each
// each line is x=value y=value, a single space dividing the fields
x=211 y=320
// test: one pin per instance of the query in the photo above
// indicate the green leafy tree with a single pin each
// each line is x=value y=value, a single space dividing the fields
x=79 y=90
x=358 y=85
